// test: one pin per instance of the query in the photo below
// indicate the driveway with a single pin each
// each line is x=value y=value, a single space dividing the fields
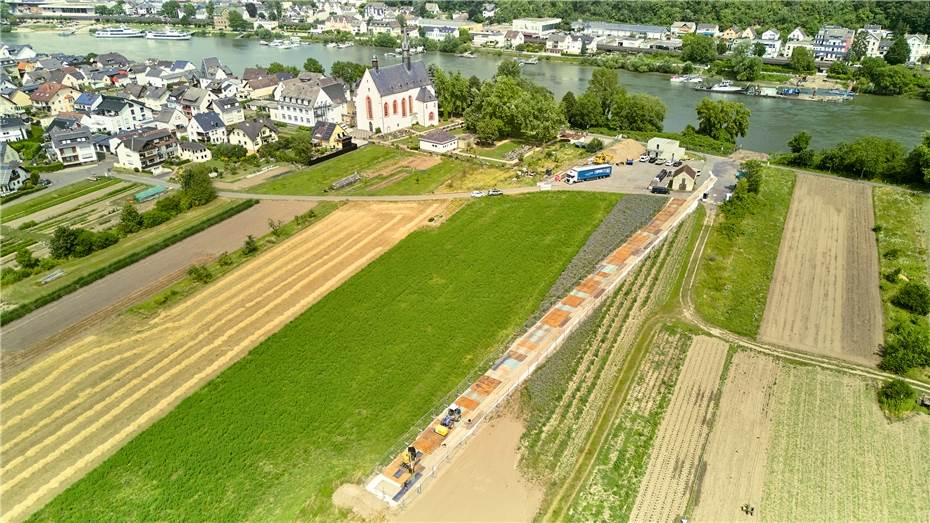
x=140 y=277
x=68 y=176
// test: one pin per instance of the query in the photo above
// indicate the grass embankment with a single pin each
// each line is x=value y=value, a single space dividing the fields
x=733 y=278
x=499 y=151
x=690 y=141
x=50 y=199
x=322 y=400
x=29 y=294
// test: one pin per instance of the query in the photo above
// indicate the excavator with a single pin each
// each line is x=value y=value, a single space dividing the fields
x=448 y=421
x=410 y=459
x=603 y=158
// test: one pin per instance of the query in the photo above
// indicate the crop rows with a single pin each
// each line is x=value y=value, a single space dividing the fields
x=552 y=441
x=323 y=398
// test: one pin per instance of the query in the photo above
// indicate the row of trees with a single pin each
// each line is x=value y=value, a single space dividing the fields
x=876 y=76
x=869 y=157
x=606 y=103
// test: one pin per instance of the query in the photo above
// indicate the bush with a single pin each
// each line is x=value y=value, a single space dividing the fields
x=153 y=218
x=594 y=145
x=250 y=246
x=25 y=259
x=200 y=273
x=913 y=297
x=908 y=347
x=897 y=397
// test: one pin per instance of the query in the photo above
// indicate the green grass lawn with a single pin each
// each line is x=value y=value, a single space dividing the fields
x=50 y=199
x=736 y=268
x=499 y=151
x=325 y=398
x=429 y=180
x=313 y=180
x=29 y=289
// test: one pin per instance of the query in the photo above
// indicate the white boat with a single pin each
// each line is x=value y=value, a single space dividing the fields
x=726 y=86
x=332 y=45
x=695 y=79
x=679 y=78
x=168 y=34
x=529 y=61
x=276 y=43
x=391 y=55
x=345 y=44
x=288 y=45
x=263 y=42
x=118 y=32
x=465 y=55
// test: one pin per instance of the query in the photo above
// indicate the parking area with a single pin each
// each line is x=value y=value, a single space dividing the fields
x=638 y=178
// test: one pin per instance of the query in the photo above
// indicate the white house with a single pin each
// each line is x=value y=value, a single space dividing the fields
x=13 y=129
x=253 y=134
x=683 y=28
x=229 y=110
x=513 y=38
x=12 y=174
x=113 y=115
x=310 y=98
x=665 y=148
x=711 y=30
x=563 y=43
x=438 y=141
x=146 y=149
x=194 y=152
x=73 y=146
x=920 y=47
x=207 y=127
x=536 y=26
x=797 y=35
x=396 y=97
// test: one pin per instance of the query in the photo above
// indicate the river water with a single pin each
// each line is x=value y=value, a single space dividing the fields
x=773 y=120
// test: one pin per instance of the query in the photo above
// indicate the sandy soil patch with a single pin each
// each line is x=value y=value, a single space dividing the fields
x=824 y=295
x=673 y=462
x=68 y=412
x=482 y=483
x=737 y=450
x=626 y=149
x=249 y=181
x=418 y=161
x=743 y=155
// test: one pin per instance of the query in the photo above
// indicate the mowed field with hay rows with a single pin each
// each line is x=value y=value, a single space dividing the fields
x=322 y=400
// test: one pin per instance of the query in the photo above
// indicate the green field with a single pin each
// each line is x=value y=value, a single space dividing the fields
x=499 y=151
x=903 y=219
x=30 y=289
x=316 y=179
x=50 y=199
x=736 y=266
x=323 y=400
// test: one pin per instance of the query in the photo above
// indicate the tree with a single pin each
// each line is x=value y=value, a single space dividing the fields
x=278 y=67
x=838 y=69
x=752 y=170
x=858 y=48
x=170 y=8
x=700 y=49
x=637 y=112
x=746 y=68
x=211 y=7
x=802 y=61
x=867 y=157
x=312 y=65
x=918 y=162
x=722 y=120
x=250 y=246
x=25 y=259
x=604 y=86
x=384 y=40
x=799 y=142
x=568 y=107
x=897 y=397
x=758 y=49
x=907 y=347
x=515 y=108
x=509 y=67
x=914 y=296
x=589 y=111
x=348 y=72
x=130 y=220
x=893 y=80
x=189 y=10
x=196 y=187
x=721 y=47
x=594 y=146
x=237 y=22
x=899 y=52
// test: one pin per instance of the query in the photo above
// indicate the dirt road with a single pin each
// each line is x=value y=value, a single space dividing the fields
x=228 y=235
x=824 y=297
x=68 y=412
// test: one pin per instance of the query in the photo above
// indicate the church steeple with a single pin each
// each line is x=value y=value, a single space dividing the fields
x=406 y=48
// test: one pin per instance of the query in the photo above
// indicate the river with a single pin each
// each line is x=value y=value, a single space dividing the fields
x=773 y=120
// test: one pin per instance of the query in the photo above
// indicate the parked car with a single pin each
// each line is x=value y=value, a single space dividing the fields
x=45 y=182
x=659 y=189
x=653 y=159
x=644 y=158
x=677 y=163
x=668 y=163
x=495 y=192
x=477 y=194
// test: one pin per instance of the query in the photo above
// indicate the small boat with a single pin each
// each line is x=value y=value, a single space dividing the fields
x=726 y=86
x=343 y=45
x=390 y=54
x=276 y=43
x=695 y=79
x=529 y=61
x=118 y=32
x=67 y=32
x=679 y=79
x=288 y=45
x=168 y=34
x=263 y=42
x=467 y=54
x=332 y=45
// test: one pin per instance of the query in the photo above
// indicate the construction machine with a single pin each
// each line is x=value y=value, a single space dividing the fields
x=453 y=416
x=410 y=459
x=603 y=158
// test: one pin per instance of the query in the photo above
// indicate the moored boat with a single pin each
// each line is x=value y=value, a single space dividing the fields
x=118 y=32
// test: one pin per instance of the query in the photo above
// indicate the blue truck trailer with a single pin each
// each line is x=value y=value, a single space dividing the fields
x=588 y=172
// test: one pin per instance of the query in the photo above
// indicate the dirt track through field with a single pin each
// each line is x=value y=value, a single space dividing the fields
x=70 y=411
x=673 y=462
x=737 y=450
x=824 y=295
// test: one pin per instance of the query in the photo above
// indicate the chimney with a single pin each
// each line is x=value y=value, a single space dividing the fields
x=374 y=63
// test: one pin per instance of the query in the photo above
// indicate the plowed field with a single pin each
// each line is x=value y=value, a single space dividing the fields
x=824 y=295
x=70 y=411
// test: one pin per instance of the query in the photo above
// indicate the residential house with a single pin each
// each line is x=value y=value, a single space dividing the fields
x=258 y=88
x=391 y=27
x=87 y=102
x=253 y=134
x=348 y=24
x=211 y=67
x=112 y=60
x=920 y=47
x=254 y=73
x=771 y=34
x=7 y=106
x=17 y=52
x=711 y=30
x=207 y=127
x=13 y=129
x=772 y=42
x=229 y=110
x=73 y=146
x=19 y=98
x=683 y=179
x=436 y=29
x=536 y=26
x=171 y=118
x=309 y=98
x=432 y=8
x=54 y=97
x=155 y=97
x=665 y=148
x=832 y=42
x=190 y=100
x=683 y=28
x=396 y=97
x=438 y=141
x=146 y=149
x=791 y=45
x=750 y=33
x=114 y=115
x=797 y=35
x=194 y=152
x=513 y=38
x=12 y=174
x=488 y=11
x=488 y=38
x=731 y=34
x=376 y=10
x=873 y=41
x=563 y=43
x=328 y=134
x=221 y=20
x=610 y=29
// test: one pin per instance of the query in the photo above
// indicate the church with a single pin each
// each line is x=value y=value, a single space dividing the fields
x=396 y=97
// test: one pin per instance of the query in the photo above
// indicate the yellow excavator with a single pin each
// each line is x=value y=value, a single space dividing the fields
x=603 y=158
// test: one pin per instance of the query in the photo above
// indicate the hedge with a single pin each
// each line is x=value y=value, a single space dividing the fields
x=21 y=193
x=45 y=168
x=21 y=310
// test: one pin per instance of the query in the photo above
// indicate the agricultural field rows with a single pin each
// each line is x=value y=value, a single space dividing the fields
x=738 y=260
x=14 y=211
x=676 y=451
x=824 y=295
x=70 y=411
x=323 y=398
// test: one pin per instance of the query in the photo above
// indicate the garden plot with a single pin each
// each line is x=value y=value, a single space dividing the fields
x=734 y=464
x=70 y=411
x=824 y=295
x=833 y=456
x=673 y=463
